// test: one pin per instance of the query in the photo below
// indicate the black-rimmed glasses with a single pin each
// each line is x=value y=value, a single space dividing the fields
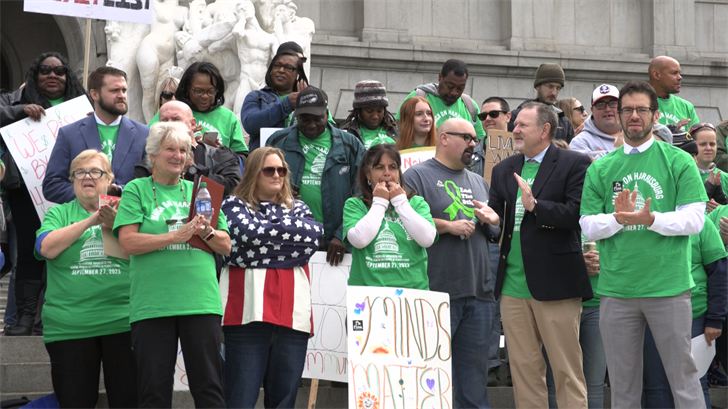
x=201 y=93
x=93 y=174
x=287 y=67
x=603 y=105
x=641 y=111
x=466 y=136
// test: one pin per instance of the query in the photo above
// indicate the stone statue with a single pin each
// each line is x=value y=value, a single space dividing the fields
x=156 y=52
x=289 y=27
x=122 y=43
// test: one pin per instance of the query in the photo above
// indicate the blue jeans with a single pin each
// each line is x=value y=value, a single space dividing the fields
x=656 y=391
x=494 y=360
x=262 y=353
x=11 y=310
x=594 y=359
x=470 y=321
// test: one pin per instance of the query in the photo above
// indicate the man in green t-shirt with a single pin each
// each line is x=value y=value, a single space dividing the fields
x=665 y=78
x=642 y=202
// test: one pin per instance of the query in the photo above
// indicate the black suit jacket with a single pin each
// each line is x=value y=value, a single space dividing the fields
x=550 y=236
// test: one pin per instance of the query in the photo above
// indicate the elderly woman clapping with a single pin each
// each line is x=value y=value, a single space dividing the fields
x=174 y=292
x=86 y=313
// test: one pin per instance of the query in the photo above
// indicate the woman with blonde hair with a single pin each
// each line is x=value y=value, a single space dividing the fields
x=416 y=124
x=574 y=111
x=265 y=285
x=168 y=88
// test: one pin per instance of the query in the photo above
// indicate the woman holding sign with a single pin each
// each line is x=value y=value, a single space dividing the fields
x=49 y=82
x=174 y=294
x=86 y=313
x=389 y=229
x=265 y=285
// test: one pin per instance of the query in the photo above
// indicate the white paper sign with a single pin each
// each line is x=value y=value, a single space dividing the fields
x=265 y=133
x=132 y=11
x=414 y=156
x=702 y=353
x=399 y=348
x=31 y=144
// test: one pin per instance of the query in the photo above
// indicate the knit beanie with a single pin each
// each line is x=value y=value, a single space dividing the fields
x=548 y=72
x=370 y=93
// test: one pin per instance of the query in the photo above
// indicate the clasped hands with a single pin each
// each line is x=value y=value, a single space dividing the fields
x=624 y=205
x=199 y=226
x=387 y=190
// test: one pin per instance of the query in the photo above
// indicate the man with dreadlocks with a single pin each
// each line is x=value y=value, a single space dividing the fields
x=370 y=121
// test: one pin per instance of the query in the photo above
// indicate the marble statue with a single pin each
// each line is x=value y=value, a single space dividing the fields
x=289 y=27
x=122 y=43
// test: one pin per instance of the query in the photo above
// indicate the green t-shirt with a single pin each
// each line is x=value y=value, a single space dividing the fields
x=393 y=258
x=220 y=120
x=373 y=137
x=108 y=135
x=716 y=214
x=706 y=248
x=178 y=279
x=594 y=280
x=316 y=151
x=57 y=101
x=88 y=291
x=514 y=280
x=723 y=179
x=637 y=262
x=442 y=112
x=673 y=109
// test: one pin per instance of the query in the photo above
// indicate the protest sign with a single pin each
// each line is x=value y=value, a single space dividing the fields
x=414 y=156
x=498 y=146
x=31 y=143
x=132 y=11
x=399 y=348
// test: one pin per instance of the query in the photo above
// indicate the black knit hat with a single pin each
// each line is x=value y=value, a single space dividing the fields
x=549 y=72
x=370 y=93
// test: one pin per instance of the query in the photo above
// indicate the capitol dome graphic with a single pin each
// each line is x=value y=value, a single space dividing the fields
x=640 y=202
x=386 y=241
x=93 y=248
x=318 y=164
x=178 y=219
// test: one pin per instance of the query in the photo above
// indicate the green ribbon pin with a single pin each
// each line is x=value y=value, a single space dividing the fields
x=457 y=203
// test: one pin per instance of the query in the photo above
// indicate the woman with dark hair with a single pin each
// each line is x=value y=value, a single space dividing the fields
x=49 y=82
x=203 y=88
x=389 y=229
x=370 y=121
x=272 y=106
x=416 y=124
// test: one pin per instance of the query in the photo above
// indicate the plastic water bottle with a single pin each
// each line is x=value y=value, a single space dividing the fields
x=203 y=201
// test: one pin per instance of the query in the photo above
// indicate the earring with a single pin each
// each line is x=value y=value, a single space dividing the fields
x=369 y=182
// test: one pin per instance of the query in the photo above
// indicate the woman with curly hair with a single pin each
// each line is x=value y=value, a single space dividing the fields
x=370 y=121
x=416 y=124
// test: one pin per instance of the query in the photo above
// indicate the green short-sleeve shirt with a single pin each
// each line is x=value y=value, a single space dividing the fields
x=373 y=137
x=442 y=112
x=706 y=248
x=673 y=109
x=315 y=151
x=220 y=120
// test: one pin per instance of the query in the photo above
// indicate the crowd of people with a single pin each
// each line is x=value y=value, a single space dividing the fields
x=598 y=245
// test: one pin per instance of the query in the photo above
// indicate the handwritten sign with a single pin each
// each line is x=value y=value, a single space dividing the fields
x=399 y=348
x=132 y=11
x=411 y=157
x=31 y=144
x=498 y=146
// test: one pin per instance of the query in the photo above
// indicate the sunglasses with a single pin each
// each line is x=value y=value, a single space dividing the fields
x=493 y=114
x=166 y=95
x=580 y=109
x=701 y=125
x=60 y=70
x=270 y=170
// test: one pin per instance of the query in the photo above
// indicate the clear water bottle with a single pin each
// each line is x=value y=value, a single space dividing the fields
x=203 y=201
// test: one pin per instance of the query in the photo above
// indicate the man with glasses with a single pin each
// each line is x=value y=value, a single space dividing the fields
x=549 y=81
x=542 y=277
x=602 y=132
x=107 y=130
x=637 y=201
x=665 y=78
x=459 y=261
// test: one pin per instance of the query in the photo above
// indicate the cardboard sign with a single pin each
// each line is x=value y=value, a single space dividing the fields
x=399 y=348
x=411 y=157
x=498 y=146
x=132 y=11
x=31 y=144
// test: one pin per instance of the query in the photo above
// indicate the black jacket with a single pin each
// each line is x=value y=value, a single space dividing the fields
x=565 y=130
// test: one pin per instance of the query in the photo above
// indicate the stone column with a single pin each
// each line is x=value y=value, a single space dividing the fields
x=668 y=28
x=531 y=24
x=385 y=21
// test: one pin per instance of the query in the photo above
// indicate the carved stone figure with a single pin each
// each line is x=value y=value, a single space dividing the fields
x=289 y=27
x=122 y=43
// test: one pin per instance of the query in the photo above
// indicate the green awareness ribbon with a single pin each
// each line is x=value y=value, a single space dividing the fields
x=457 y=204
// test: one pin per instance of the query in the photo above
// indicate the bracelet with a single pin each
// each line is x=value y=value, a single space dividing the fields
x=209 y=236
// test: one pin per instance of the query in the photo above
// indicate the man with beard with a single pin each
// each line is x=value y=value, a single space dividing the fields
x=107 y=130
x=542 y=278
x=459 y=261
x=637 y=199
x=665 y=78
x=549 y=81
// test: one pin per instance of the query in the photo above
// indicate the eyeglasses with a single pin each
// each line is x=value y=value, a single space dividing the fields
x=603 y=105
x=270 y=170
x=169 y=95
x=60 y=70
x=581 y=109
x=697 y=127
x=552 y=87
x=93 y=174
x=287 y=68
x=200 y=92
x=493 y=114
x=466 y=136
x=641 y=111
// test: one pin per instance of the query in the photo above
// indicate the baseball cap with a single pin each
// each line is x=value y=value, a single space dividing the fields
x=604 y=90
x=311 y=100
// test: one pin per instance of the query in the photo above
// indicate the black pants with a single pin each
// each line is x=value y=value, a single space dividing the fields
x=721 y=346
x=26 y=224
x=155 y=347
x=76 y=365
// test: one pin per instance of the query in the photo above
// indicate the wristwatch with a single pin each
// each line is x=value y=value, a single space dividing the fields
x=209 y=236
x=535 y=202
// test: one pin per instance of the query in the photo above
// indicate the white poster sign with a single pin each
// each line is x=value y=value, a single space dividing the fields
x=414 y=156
x=399 y=348
x=31 y=144
x=132 y=11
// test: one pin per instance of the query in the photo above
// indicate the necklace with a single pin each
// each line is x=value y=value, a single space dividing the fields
x=154 y=191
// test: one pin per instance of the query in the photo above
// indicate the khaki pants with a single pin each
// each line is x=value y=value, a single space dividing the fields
x=531 y=324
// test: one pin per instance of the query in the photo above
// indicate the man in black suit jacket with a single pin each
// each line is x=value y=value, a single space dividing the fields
x=541 y=274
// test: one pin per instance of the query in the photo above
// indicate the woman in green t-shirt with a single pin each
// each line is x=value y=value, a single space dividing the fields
x=416 y=124
x=370 y=121
x=86 y=312
x=388 y=229
x=174 y=294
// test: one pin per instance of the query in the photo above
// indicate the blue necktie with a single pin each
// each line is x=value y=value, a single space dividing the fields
x=633 y=151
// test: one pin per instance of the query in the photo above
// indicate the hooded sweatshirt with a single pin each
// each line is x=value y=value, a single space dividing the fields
x=591 y=139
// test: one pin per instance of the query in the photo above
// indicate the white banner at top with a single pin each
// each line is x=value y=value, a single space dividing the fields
x=132 y=11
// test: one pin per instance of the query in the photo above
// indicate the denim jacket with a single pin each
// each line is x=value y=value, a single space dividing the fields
x=263 y=109
x=478 y=165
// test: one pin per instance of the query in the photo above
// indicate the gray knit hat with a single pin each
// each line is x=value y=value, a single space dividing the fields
x=549 y=72
x=370 y=93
